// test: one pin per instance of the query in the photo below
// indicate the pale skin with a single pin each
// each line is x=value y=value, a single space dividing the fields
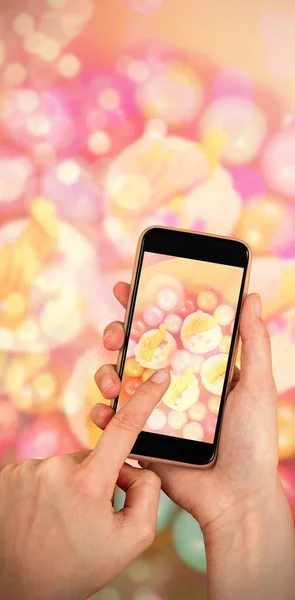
x=239 y=503
x=60 y=538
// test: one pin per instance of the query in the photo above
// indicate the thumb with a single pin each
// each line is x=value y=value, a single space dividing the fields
x=256 y=362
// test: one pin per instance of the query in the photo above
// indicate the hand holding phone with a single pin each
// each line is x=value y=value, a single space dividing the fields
x=183 y=315
x=239 y=503
x=59 y=535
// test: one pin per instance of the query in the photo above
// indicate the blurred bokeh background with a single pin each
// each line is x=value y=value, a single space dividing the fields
x=115 y=115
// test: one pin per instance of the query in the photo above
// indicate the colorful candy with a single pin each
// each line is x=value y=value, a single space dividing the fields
x=213 y=373
x=207 y=300
x=167 y=299
x=157 y=420
x=200 y=332
x=131 y=386
x=153 y=316
x=181 y=360
x=133 y=368
x=173 y=323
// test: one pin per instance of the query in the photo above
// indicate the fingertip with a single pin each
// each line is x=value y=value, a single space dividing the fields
x=121 y=292
x=251 y=313
x=101 y=414
x=118 y=286
x=113 y=336
x=114 y=340
x=108 y=382
x=257 y=306
x=256 y=352
x=161 y=376
x=110 y=392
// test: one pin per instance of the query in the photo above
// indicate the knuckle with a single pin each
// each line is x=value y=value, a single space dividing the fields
x=85 y=484
x=151 y=478
x=49 y=470
x=125 y=420
x=7 y=471
x=28 y=465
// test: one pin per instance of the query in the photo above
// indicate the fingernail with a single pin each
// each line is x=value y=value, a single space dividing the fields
x=107 y=334
x=258 y=306
x=160 y=376
x=106 y=383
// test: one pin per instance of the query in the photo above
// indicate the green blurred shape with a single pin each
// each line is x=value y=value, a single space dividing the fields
x=166 y=510
x=189 y=542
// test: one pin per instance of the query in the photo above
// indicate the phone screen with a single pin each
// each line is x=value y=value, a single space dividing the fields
x=183 y=320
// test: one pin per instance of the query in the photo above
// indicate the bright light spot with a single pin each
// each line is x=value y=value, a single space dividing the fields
x=60 y=319
x=138 y=70
x=288 y=118
x=13 y=174
x=48 y=49
x=48 y=442
x=15 y=305
x=23 y=24
x=28 y=332
x=57 y=3
x=68 y=172
x=272 y=210
x=38 y=125
x=109 y=99
x=99 y=142
x=69 y=65
x=27 y=101
x=15 y=74
x=33 y=42
x=71 y=24
x=2 y=52
x=139 y=570
x=131 y=191
x=253 y=236
x=115 y=228
x=156 y=128
x=7 y=339
x=44 y=385
x=72 y=402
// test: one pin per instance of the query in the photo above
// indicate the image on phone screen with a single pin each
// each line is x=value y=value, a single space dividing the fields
x=183 y=321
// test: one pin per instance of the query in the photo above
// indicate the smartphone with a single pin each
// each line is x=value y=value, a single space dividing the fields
x=183 y=315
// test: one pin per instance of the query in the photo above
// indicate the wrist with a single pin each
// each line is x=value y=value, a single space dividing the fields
x=250 y=549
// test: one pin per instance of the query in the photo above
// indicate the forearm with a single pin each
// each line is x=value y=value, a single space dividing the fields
x=252 y=555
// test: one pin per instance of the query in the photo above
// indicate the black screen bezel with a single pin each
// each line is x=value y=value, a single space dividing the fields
x=196 y=246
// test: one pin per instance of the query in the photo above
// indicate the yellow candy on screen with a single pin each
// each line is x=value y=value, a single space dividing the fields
x=207 y=300
x=133 y=368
